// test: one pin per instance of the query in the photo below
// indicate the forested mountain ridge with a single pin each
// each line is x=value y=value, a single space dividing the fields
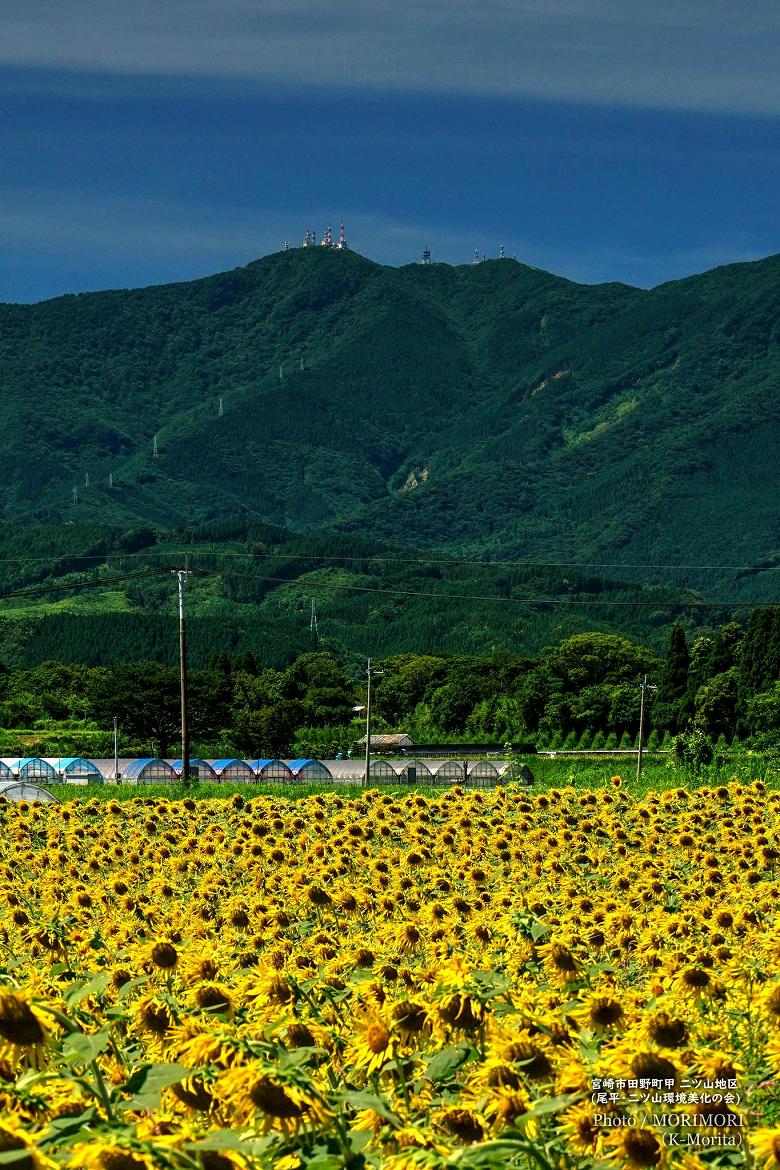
x=488 y=410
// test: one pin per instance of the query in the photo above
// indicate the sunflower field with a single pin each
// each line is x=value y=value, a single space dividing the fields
x=407 y=982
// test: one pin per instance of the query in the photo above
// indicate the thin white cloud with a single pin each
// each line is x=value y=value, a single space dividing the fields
x=676 y=54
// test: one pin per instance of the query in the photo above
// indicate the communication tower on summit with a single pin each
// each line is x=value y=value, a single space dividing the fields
x=501 y=254
x=327 y=239
x=342 y=242
x=286 y=247
x=309 y=239
x=426 y=256
x=477 y=257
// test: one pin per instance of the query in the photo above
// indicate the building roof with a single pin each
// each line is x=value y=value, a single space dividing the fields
x=389 y=741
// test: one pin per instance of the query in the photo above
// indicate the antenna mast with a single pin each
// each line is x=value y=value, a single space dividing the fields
x=342 y=244
x=426 y=256
x=221 y=410
x=155 y=449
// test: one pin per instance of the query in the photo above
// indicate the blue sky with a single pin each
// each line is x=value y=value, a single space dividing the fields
x=146 y=142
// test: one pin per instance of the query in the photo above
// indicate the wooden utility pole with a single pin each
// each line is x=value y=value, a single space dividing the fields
x=644 y=687
x=371 y=673
x=182 y=575
x=368 y=726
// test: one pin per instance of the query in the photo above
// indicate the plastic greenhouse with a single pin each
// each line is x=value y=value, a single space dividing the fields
x=149 y=771
x=32 y=768
x=482 y=774
x=273 y=771
x=383 y=771
x=233 y=771
x=16 y=790
x=347 y=771
x=412 y=771
x=75 y=770
x=309 y=770
x=450 y=772
x=200 y=768
x=353 y=771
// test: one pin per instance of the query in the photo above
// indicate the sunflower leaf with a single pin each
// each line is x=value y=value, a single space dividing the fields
x=443 y=1064
x=82 y=1047
x=549 y=1105
x=74 y=995
x=146 y=1084
x=65 y=1127
x=131 y=985
x=228 y=1139
x=370 y=1101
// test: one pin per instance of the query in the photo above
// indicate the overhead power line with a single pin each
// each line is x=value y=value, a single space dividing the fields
x=653 y=603
x=65 y=585
x=353 y=557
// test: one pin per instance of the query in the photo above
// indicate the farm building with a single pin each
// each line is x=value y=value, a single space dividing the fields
x=75 y=770
x=199 y=769
x=17 y=790
x=273 y=771
x=31 y=768
x=388 y=743
x=233 y=771
x=308 y=770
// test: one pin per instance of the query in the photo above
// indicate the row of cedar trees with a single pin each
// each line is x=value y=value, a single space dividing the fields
x=585 y=690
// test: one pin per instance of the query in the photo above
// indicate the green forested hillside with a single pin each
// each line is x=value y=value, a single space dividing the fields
x=485 y=412
x=110 y=596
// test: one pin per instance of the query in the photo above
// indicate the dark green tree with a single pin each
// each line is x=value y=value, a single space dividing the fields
x=145 y=697
x=670 y=709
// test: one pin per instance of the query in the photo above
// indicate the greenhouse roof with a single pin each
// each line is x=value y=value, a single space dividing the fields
x=61 y=763
x=136 y=767
x=18 y=790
